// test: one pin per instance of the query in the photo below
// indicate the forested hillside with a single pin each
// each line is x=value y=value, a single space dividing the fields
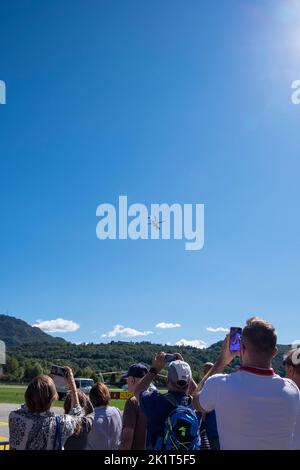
x=90 y=360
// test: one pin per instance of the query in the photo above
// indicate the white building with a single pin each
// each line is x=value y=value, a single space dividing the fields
x=2 y=356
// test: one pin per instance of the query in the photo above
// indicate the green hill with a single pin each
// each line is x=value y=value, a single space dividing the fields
x=30 y=351
x=93 y=359
x=15 y=332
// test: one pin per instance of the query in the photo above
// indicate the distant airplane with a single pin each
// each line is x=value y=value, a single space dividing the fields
x=156 y=223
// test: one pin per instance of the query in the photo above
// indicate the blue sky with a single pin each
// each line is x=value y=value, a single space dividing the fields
x=173 y=101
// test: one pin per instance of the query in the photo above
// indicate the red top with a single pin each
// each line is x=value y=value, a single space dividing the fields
x=255 y=370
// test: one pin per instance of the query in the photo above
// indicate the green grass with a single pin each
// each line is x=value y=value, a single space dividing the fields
x=118 y=404
x=15 y=394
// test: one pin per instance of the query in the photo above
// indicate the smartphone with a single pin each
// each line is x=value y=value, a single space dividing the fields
x=58 y=370
x=59 y=376
x=170 y=357
x=235 y=337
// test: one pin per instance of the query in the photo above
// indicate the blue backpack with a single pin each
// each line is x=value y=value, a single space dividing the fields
x=181 y=427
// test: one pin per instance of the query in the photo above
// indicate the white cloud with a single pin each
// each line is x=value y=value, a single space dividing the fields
x=57 y=326
x=164 y=325
x=120 y=330
x=195 y=343
x=220 y=329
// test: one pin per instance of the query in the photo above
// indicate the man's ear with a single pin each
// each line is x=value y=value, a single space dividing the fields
x=275 y=352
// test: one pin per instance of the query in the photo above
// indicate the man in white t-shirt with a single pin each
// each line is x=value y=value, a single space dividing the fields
x=255 y=408
x=292 y=370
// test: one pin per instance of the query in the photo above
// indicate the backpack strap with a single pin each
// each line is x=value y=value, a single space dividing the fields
x=171 y=399
x=57 y=438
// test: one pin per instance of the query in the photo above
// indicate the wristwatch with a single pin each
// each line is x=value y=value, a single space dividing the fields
x=152 y=370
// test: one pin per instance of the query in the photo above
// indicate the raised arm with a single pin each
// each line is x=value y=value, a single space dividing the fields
x=226 y=357
x=158 y=364
x=72 y=387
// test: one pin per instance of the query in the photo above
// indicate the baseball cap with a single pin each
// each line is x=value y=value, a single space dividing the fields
x=136 y=370
x=179 y=372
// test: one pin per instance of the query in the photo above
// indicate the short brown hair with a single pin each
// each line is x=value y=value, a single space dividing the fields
x=260 y=335
x=288 y=359
x=40 y=394
x=84 y=402
x=99 y=394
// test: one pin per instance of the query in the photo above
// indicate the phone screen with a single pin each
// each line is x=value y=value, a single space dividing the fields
x=59 y=371
x=169 y=357
x=59 y=376
x=235 y=336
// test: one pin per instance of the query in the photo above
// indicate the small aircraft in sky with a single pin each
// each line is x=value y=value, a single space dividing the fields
x=156 y=223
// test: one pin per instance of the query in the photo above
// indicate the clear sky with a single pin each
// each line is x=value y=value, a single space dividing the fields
x=163 y=101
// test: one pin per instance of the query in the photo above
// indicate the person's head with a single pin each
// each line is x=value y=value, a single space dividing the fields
x=99 y=395
x=134 y=375
x=206 y=367
x=40 y=394
x=84 y=402
x=179 y=376
x=291 y=363
x=258 y=342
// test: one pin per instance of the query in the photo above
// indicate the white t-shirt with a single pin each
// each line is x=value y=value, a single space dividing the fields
x=296 y=439
x=253 y=411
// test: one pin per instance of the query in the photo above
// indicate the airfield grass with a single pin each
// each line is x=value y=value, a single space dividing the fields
x=15 y=394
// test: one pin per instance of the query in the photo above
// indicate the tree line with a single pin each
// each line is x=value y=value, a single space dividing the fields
x=92 y=360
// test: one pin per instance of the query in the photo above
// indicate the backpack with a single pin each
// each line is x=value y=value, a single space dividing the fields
x=181 y=427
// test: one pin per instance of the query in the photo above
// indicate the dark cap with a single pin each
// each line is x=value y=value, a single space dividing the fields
x=136 y=370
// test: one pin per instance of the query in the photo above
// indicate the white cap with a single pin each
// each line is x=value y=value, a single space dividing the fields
x=179 y=371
